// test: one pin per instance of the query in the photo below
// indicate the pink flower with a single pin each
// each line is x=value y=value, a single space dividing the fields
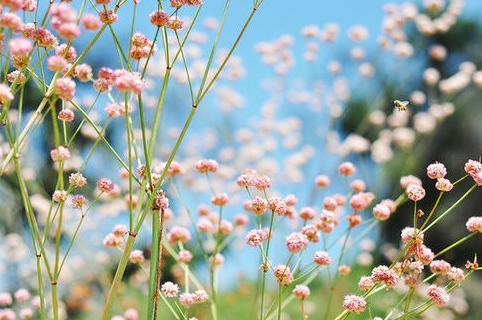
x=175 y=23
x=322 y=258
x=200 y=296
x=383 y=274
x=78 y=201
x=381 y=212
x=474 y=224
x=347 y=169
x=330 y=203
x=408 y=234
x=366 y=283
x=424 y=254
x=5 y=94
x=178 y=234
x=439 y=266
x=301 y=292
x=66 y=115
x=439 y=296
x=473 y=167
x=159 y=18
x=311 y=232
x=408 y=180
x=65 y=88
x=307 y=213
x=444 y=185
x=456 y=275
x=186 y=299
x=91 y=22
x=353 y=303
x=207 y=165
x=256 y=237
x=296 y=242
x=361 y=200
x=358 y=185
x=322 y=181
x=136 y=257
x=415 y=192
x=220 y=199
x=22 y=295
x=169 y=289
x=60 y=154
x=105 y=185
x=436 y=170
x=185 y=256
x=108 y=17
x=283 y=274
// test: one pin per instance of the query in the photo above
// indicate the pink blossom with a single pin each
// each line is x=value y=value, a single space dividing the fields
x=415 y=192
x=322 y=258
x=474 y=224
x=169 y=289
x=436 y=170
x=301 y=291
x=438 y=295
x=347 y=169
x=353 y=303
x=296 y=242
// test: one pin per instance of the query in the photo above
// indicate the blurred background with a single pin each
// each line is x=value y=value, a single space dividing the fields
x=319 y=101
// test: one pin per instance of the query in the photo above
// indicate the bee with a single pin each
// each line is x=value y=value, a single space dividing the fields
x=400 y=105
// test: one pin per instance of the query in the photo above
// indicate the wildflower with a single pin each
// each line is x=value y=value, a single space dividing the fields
x=185 y=256
x=59 y=196
x=108 y=16
x=159 y=18
x=136 y=257
x=15 y=76
x=307 y=213
x=311 y=232
x=326 y=222
x=347 y=169
x=241 y=219
x=474 y=224
x=381 y=212
x=353 y=303
x=301 y=292
x=186 y=299
x=383 y=274
x=178 y=234
x=78 y=201
x=169 y=289
x=105 y=185
x=354 y=219
x=408 y=180
x=330 y=203
x=358 y=185
x=473 y=167
x=205 y=225
x=262 y=182
x=200 y=296
x=112 y=241
x=344 y=270
x=161 y=202
x=60 y=154
x=5 y=94
x=409 y=234
x=131 y=314
x=444 y=185
x=216 y=260
x=126 y=81
x=296 y=242
x=66 y=115
x=436 y=170
x=257 y=236
x=322 y=258
x=424 y=254
x=91 y=22
x=361 y=200
x=439 y=267
x=22 y=295
x=415 y=192
x=456 y=275
x=438 y=295
x=366 y=283
x=207 y=165
x=278 y=206
x=5 y=299
x=175 y=23
x=64 y=88
x=220 y=199
x=77 y=180
x=322 y=181
x=283 y=274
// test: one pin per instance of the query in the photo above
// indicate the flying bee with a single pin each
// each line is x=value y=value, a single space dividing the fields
x=400 y=105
